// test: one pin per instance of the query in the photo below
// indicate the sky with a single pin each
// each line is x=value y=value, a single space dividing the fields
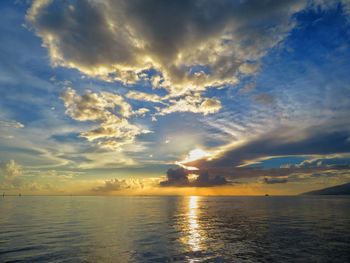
x=165 y=97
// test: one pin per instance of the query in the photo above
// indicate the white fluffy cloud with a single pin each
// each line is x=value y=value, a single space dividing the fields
x=173 y=37
x=111 y=113
x=10 y=174
x=115 y=185
x=11 y=170
x=111 y=186
x=143 y=96
x=188 y=46
x=192 y=103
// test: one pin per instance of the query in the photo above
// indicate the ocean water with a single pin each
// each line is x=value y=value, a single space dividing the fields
x=175 y=229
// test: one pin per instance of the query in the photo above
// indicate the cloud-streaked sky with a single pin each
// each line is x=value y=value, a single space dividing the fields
x=174 y=97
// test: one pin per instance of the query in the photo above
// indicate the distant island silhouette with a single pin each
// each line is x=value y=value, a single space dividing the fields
x=343 y=189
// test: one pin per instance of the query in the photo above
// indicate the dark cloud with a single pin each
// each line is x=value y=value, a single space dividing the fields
x=252 y=172
x=179 y=178
x=176 y=177
x=205 y=180
x=316 y=140
x=81 y=39
x=267 y=180
x=281 y=175
x=327 y=145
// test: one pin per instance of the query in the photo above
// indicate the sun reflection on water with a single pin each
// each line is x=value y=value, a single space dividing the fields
x=194 y=232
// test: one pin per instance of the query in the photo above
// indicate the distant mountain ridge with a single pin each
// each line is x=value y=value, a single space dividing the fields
x=343 y=189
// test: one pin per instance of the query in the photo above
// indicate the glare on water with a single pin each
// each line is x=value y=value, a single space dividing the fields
x=194 y=233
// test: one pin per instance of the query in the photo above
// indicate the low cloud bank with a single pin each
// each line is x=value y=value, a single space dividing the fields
x=179 y=177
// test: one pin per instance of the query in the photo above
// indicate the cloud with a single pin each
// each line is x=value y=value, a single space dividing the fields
x=248 y=88
x=135 y=95
x=264 y=98
x=325 y=4
x=7 y=126
x=14 y=177
x=326 y=147
x=179 y=177
x=109 y=159
x=192 y=103
x=327 y=161
x=114 y=129
x=11 y=170
x=281 y=175
x=189 y=102
x=10 y=174
x=111 y=186
x=249 y=68
x=116 y=185
x=93 y=106
x=268 y=180
x=328 y=138
x=184 y=47
x=11 y=124
x=141 y=112
x=176 y=177
x=205 y=180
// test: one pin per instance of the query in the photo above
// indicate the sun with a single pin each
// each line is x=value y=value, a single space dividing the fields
x=194 y=155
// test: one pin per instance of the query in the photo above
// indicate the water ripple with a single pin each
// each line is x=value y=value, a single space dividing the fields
x=175 y=229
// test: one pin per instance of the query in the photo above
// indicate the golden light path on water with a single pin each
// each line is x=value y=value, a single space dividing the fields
x=194 y=232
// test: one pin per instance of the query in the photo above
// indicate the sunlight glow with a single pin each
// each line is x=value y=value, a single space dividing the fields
x=192 y=177
x=194 y=155
x=194 y=233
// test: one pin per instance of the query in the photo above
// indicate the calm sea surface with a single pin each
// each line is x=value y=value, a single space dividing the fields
x=175 y=229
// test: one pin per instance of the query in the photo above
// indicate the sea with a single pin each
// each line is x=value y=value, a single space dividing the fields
x=174 y=229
